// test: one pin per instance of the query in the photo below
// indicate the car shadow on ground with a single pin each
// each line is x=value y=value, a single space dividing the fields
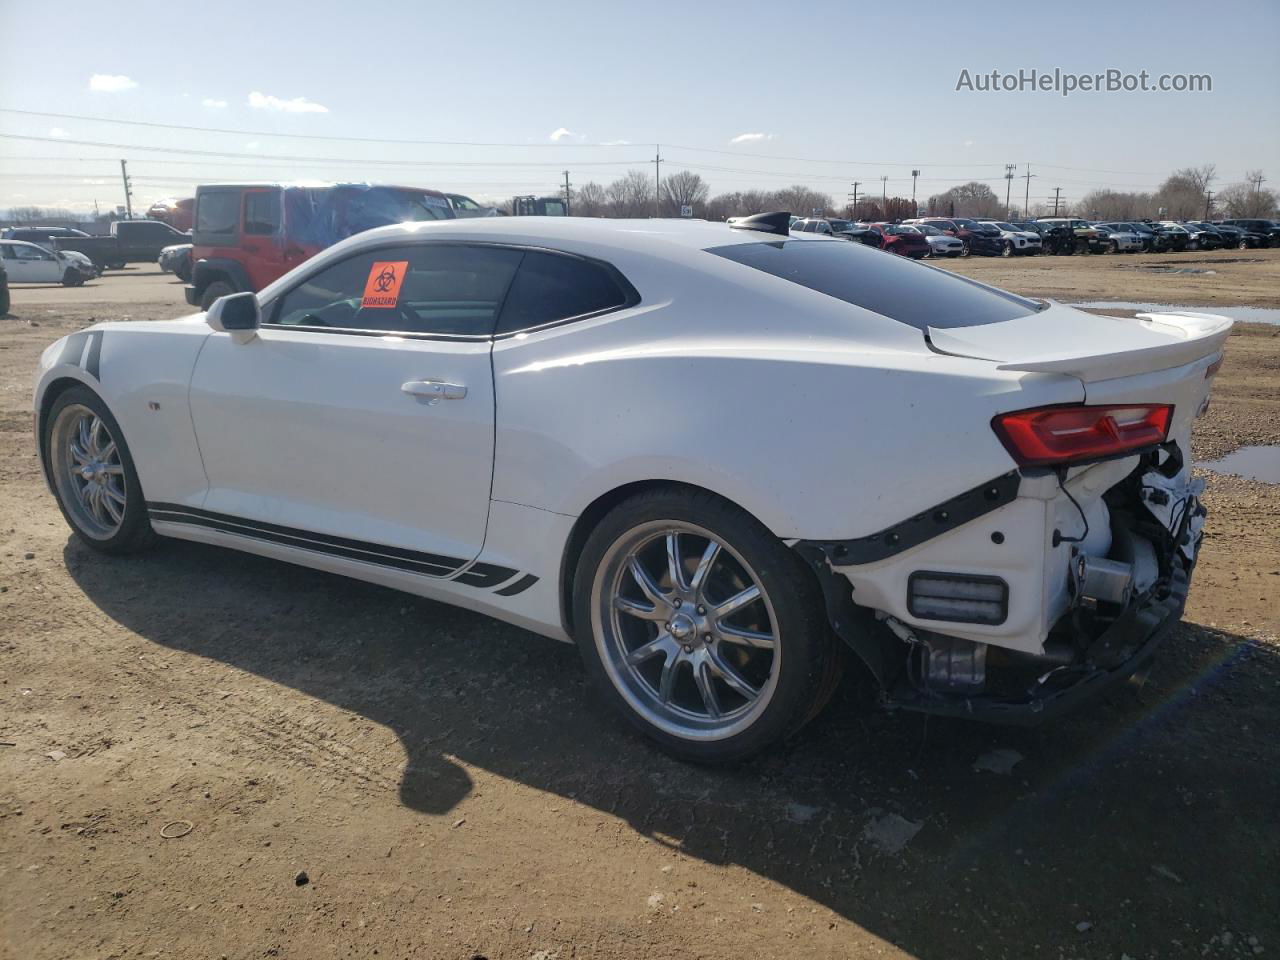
x=1151 y=822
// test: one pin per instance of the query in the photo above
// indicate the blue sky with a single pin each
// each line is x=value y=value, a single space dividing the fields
x=824 y=92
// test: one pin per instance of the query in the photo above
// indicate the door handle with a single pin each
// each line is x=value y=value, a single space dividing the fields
x=433 y=390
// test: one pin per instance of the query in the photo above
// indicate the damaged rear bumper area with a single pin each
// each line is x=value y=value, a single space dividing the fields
x=946 y=637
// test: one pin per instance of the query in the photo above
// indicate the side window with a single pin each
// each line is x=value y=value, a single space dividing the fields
x=822 y=227
x=444 y=289
x=218 y=212
x=551 y=286
x=7 y=251
x=262 y=212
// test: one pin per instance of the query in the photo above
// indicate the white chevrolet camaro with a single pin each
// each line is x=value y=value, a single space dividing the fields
x=714 y=456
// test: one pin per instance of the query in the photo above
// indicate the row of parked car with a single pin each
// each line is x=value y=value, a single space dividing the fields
x=922 y=237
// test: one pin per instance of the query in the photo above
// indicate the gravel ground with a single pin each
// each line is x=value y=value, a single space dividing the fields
x=359 y=773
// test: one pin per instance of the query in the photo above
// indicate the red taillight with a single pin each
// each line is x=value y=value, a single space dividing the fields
x=1054 y=436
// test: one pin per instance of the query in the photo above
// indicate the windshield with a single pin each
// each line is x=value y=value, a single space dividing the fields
x=929 y=231
x=895 y=287
x=841 y=224
x=1006 y=226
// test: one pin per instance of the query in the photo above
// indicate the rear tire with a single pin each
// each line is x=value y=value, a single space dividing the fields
x=92 y=474
x=705 y=686
x=213 y=291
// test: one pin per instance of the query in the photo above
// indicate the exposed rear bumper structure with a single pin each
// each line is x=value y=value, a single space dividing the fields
x=1108 y=603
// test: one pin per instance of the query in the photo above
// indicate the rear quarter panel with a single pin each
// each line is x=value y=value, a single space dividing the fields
x=837 y=425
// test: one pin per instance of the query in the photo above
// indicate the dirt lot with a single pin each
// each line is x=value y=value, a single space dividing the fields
x=451 y=789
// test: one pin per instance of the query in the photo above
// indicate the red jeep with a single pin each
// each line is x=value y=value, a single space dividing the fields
x=247 y=235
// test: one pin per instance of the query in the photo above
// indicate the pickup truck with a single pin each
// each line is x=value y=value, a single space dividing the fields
x=131 y=241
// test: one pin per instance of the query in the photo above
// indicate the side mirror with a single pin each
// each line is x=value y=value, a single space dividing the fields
x=236 y=314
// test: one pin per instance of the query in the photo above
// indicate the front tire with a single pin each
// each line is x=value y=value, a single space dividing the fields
x=1007 y=249
x=73 y=278
x=213 y=291
x=700 y=627
x=93 y=476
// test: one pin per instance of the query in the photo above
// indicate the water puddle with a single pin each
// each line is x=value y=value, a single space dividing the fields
x=1252 y=463
x=1250 y=314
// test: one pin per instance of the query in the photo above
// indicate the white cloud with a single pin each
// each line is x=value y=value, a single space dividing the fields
x=57 y=132
x=751 y=137
x=264 y=101
x=213 y=104
x=563 y=133
x=615 y=143
x=111 y=83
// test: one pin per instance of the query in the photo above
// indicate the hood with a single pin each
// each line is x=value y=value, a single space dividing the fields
x=1061 y=339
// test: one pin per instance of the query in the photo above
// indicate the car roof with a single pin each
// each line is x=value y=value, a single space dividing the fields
x=651 y=235
x=311 y=185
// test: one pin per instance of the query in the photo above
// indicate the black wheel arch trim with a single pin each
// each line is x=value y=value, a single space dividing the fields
x=209 y=270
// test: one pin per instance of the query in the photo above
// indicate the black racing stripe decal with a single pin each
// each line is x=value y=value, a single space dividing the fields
x=486 y=575
x=317 y=540
x=482 y=575
x=95 y=354
x=520 y=586
x=302 y=543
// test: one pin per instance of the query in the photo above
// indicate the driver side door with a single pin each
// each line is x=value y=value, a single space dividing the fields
x=359 y=422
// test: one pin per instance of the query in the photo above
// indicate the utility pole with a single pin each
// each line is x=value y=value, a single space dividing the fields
x=1257 y=188
x=914 y=209
x=657 y=180
x=1208 y=203
x=568 y=195
x=1008 y=182
x=884 y=193
x=128 y=196
x=1057 y=193
x=1026 y=201
x=853 y=198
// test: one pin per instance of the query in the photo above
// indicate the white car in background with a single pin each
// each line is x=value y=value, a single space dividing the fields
x=708 y=454
x=31 y=263
x=940 y=244
x=1014 y=240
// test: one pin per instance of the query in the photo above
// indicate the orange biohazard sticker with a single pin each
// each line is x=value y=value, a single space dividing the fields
x=383 y=286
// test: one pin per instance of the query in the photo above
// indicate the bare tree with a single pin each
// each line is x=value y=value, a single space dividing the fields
x=631 y=195
x=1247 y=198
x=971 y=199
x=1200 y=178
x=591 y=201
x=802 y=201
x=683 y=189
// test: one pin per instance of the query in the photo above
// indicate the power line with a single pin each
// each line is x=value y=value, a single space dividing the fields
x=358 y=160
x=235 y=131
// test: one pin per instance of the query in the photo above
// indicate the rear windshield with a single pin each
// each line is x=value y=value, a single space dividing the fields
x=912 y=293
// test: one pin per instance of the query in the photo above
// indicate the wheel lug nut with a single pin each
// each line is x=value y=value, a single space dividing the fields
x=676 y=602
x=701 y=610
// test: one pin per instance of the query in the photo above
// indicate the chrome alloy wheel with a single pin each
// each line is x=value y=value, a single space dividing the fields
x=685 y=630
x=88 y=472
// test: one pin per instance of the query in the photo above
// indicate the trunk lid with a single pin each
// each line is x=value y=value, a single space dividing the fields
x=1150 y=358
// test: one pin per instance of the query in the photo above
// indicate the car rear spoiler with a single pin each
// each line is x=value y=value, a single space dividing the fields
x=1192 y=337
